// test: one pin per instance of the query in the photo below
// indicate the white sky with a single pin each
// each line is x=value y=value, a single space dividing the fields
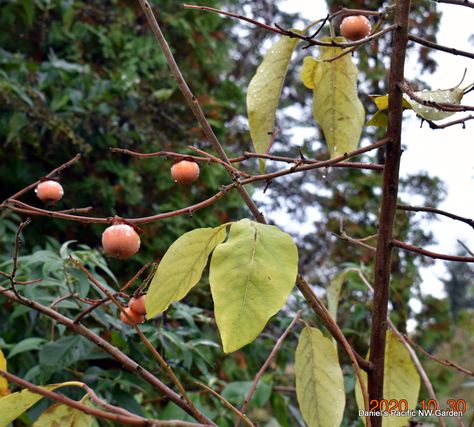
x=447 y=154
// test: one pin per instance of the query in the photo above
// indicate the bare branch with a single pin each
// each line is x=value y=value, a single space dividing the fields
x=118 y=355
x=467 y=221
x=451 y=50
x=435 y=255
x=445 y=362
x=130 y=419
x=466 y=3
x=461 y=121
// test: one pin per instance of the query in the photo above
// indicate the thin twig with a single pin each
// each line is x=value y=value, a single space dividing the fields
x=461 y=121
x=435 y=255
x=162 y=362
x=451 y=50
x=193 y=102
x=227 y=404
x=266 y=364
x=467 y=221
x=49 y=175
x=445 y=362
x=131 y=419
x=117 y=354
x=466 y=3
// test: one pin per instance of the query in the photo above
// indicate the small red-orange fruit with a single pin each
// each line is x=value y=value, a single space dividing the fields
x=120 y=241
x=355 y=27
x=185 y=171
x=135 y=318
x=137 y=305
x=49 y=191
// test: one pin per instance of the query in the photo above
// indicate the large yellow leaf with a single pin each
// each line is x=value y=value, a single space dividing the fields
x=401 y=381
x=251 y=276
x=264 y=92
x=3 y=382
x=64 y=416
x=13 y=405
x=319 y=380
x=181 y=268
x=336 y=106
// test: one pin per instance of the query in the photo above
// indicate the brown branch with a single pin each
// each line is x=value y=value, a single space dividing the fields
x=131 y=419
x=461 y=121
x=466 y=3
x=21 y=207
x=193 y=102
x=410 y=350
x=355 y=165
x=227 y=404
x=435 y=255
x=54 y=172
x=278 y=30
x=161 y=361
x=266 y=364
x=167 y=154
x=437 y=46
x=467 y=221
x=388 y=207
x=117 y=354
x=444 y=362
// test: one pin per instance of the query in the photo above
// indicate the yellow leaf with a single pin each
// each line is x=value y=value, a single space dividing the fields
x=251 y=276
x=311 y=72
x=13 y=405
x=64 y=416
x=401 y=381
x=3 y=382
x=336 y=106
x=264 y=91
x=319 y=380
x=181 y=268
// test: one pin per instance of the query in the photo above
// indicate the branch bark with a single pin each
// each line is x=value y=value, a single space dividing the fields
x=388 y=208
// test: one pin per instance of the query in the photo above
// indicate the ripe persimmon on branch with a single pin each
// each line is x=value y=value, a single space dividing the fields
x=253 y=266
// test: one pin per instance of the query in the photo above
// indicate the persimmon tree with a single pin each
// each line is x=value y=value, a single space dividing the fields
x=252 y=265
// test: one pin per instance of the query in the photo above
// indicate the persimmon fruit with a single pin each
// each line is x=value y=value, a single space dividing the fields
x=185 y=171
x=49 y=191
x=120 y=241
x=137 y=305
x=135 y=318
x=355 y=27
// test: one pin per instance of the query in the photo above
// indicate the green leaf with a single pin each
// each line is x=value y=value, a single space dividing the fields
x=264 y=91
x=64 y=416
x=27 y=344
x=251 y=276
x=181 y=268
x=65 y=351
x=401 y=380
x=319 y=380
x=336 y=106
x=13 y=405
x=236 y=392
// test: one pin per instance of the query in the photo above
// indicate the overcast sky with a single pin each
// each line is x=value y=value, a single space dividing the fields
x=449 y=153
